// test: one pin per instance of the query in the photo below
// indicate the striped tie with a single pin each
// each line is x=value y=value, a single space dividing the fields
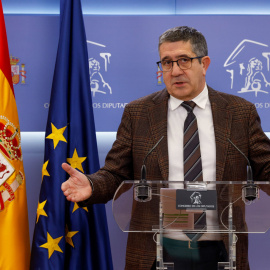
x=192 y=153
x=192 y=161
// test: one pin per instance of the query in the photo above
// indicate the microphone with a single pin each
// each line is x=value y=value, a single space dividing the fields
x=250 y=192
x=142 y=191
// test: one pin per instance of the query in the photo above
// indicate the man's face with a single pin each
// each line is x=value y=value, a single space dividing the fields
x=183 y=84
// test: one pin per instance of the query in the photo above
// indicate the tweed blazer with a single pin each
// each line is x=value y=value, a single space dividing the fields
x=144 y=122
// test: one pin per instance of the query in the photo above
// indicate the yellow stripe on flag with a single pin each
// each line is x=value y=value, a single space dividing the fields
x=14 y=229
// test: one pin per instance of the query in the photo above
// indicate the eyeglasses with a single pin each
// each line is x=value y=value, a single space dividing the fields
x=182 y=62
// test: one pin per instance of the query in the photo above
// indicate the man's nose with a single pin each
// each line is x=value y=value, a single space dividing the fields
x=176 y=70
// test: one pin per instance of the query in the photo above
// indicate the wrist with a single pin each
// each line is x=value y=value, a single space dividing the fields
x=91 y=185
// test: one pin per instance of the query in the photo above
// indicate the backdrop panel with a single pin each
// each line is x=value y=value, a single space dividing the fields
x=122 y=55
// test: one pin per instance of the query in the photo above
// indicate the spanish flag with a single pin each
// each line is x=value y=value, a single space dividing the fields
x=14 y=229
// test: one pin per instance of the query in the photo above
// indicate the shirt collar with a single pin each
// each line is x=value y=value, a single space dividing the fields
x=200 y=100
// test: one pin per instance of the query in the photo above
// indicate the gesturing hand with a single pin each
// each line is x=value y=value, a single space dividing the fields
x=77 y=188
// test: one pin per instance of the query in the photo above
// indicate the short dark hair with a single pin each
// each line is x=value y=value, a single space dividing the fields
x=185 y=33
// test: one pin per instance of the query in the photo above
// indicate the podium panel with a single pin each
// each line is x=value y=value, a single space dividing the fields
x=176 y=209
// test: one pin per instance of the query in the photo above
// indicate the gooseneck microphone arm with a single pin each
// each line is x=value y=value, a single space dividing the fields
x=143 y=170
x=249 y=172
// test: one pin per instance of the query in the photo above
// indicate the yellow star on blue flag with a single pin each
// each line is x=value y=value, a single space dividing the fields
x=52 y=245
x=76 y=161
x=57 y=135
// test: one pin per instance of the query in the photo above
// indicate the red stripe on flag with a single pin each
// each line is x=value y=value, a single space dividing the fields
x=4 y=52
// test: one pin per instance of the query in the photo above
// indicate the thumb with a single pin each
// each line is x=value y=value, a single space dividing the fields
x=71 y=171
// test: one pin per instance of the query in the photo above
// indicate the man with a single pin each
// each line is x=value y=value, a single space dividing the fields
x=184 y=61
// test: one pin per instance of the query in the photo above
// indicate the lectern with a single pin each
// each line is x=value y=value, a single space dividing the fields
x=163 y=207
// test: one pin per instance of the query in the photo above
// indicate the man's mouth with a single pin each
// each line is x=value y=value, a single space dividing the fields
x=179 y=83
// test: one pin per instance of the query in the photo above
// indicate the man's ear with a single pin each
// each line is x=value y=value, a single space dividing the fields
x=205 y=63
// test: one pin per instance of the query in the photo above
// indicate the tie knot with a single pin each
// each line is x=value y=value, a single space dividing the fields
x=188 y=105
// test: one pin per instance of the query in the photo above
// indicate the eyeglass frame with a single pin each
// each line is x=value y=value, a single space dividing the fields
x=176 y=61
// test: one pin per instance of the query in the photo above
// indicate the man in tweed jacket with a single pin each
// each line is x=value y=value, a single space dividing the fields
x=145 y=121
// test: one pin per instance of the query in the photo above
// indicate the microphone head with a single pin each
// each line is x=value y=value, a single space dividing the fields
x=250 y=192
x=142 y=193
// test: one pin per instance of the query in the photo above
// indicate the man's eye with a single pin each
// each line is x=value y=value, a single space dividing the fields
x=166 y=63
x=183 y=60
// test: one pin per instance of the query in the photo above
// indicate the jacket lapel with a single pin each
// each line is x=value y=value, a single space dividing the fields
x=157 y=114
x=222 y=119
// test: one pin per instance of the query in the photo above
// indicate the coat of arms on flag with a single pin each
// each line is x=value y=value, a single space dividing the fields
x=10 y=151
x=18 y=72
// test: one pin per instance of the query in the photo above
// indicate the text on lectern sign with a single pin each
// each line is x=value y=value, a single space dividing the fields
x=202 y=199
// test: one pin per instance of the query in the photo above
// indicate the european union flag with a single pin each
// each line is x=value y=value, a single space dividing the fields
x=66 y=236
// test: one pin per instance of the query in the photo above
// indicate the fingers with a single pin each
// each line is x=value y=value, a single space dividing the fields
x=71 y=171
x=71 y=196
x=77 y=187
x=68 y=192
x=65 y=186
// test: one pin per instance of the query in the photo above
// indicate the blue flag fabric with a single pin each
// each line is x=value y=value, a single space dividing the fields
x=66 y=236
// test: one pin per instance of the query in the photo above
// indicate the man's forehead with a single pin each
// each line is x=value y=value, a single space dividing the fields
x=175 y=49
